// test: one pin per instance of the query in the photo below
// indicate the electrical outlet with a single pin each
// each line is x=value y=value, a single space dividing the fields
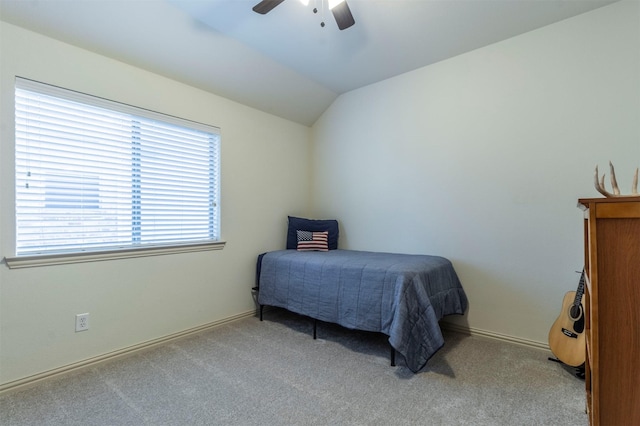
x=82 y=322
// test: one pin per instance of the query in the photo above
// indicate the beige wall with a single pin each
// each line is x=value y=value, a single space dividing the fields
x=481 y=159
x=137 y=300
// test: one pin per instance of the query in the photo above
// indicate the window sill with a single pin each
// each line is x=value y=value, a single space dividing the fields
x=96 y=256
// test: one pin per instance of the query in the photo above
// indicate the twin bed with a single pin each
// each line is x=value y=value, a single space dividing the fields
x=401 y=295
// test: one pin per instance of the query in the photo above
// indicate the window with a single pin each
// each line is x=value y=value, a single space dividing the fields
x=95 y=175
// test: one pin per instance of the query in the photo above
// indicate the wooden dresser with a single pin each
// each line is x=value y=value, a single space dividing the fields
x=612 y=309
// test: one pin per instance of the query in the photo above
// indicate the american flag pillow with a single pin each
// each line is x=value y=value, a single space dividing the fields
x=313 y=241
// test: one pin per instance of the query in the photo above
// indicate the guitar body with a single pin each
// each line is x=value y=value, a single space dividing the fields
x=566 y=337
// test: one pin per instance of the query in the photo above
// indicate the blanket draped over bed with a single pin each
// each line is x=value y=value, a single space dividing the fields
x=403 y=296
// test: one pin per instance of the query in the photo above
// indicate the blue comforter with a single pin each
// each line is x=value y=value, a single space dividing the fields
x=403 y=296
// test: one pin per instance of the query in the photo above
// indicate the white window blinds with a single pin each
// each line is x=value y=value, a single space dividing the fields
x=92 y=175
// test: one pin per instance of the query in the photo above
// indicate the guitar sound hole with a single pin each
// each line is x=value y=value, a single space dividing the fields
x=575 y=312
x=576 y=315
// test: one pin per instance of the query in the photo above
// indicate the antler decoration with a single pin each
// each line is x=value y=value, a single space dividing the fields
x=614 y=184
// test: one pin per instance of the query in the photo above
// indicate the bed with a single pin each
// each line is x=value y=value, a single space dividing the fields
x=401 y=295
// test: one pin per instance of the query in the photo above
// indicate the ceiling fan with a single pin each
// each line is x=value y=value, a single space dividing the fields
x=339 y=8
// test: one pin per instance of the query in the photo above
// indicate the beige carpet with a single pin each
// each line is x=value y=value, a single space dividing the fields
x=273 y=373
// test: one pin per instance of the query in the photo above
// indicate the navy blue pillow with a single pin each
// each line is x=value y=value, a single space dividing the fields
x=313 y=225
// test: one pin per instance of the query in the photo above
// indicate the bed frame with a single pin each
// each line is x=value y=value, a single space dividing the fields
x=392 y=350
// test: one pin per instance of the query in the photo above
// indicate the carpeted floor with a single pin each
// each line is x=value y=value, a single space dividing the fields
x=273 y=373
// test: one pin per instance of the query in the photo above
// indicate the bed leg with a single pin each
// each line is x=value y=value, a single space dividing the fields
x=315 y=328
x=261 y=309
x=393 y=356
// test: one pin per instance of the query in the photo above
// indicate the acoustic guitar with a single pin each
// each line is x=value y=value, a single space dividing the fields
x=566 y=337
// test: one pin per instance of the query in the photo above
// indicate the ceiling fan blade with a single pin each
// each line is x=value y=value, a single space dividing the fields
x=265 y=6
x=343 y=15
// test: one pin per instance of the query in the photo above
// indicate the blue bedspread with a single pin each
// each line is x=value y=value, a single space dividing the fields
x=403 y=296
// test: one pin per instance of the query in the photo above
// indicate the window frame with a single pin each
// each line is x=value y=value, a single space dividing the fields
x=124 y=251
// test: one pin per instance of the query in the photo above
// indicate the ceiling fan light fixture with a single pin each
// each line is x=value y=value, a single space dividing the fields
x=339 y=9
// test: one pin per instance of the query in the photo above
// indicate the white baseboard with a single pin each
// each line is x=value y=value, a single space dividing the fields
x=91 y=362
x=493 y=335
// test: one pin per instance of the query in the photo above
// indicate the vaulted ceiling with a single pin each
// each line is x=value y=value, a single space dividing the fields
x=285 y=62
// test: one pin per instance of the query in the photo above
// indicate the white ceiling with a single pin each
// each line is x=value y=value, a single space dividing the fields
x=284 y=62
